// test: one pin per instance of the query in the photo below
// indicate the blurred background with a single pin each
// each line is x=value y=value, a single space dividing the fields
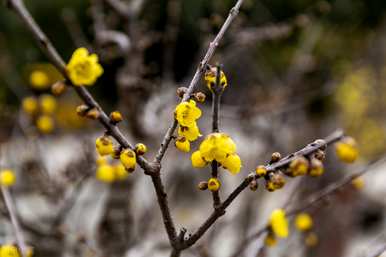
x=297 y=70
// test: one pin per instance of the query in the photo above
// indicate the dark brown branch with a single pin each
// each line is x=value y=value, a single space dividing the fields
x=199 y=72
x=220 y=210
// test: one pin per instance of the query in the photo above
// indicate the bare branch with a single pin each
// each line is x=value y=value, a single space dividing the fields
x=15 y=224
x=199 y=72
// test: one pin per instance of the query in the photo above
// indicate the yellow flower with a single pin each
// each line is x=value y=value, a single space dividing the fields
x=232 y=163
x=299 y=166
x=105 y=173
x=303 y=221
x=270 y=240
x=279 y=223
x=45 y=124
x=7 y=178
x=261 y=170
x=358 y=183
x=30 y=105
x=120 y=171
x=104 y=145
x=182 y=144
x=217 y=146
x=39 y=79
x=316 y=168
x=128 y=159
x=197 y=160
x=140 y=149
x=83 y=69
x=186 y=113
x=47 y=104
x=311 y=240
x=210 y=78
x=347 y=150
x=116 y=116
x=214 y=184
x=190 y=133
x=9 y=250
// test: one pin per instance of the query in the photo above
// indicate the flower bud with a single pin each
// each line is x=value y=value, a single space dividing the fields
x=82 y=110
x=116 y=117
x=320 y=155
x=253 y=185
x=200 y=97
x=276 y=156
x=181 y=91
x=299 y=166
x=58 y=88
x=93 y=114
x=214 y=184
x=316 y=168
x=140 y=149
x=277 y=179
x=203 y=185
x=261 y=170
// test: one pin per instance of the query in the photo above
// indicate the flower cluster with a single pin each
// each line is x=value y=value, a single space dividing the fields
x=109 y=173
x=7 y=178
x=210 y=79
x=186 y=114
x=83 y=69
x=41 y=111
x=217 y=147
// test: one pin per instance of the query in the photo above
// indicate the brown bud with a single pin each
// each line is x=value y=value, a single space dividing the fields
x=93 y=114
x=278 y=180
x=251 y=176
x=58 y=88
x=116 y=153
x=253 y=185
x=276 y=156
x=200 y=97
x=82 y=110
x=203 y=185
x=181 y=91
x=116 y=117
x=320 y=155
x=322 y=143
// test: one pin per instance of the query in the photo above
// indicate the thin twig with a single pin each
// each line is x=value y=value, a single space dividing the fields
x=15 y=224
x=311 y=201
x=199 y=72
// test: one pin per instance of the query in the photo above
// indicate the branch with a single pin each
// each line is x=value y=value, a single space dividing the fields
x=220 y=210
x=312 y=200
x=52 y=54
x=199 y=72
x=15 y=224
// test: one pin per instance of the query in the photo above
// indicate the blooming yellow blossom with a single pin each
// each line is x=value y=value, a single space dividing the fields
x=214 y=184
x=182 y=144
x=83 y=69
x=39 y=79
x=210 y=78
x=217 y=146
x=105 y=173
x=190 y=133
x=186 y=113
x=128 y=159
x=30 y=105
x=47 y=104
x=9 y=250
x=120 y=171
x=45 y=124
x=7 y=178
x=347 y=150
x=311 y=239
x=232 y=163
x=358 y=183
x=140 y=149
x=104 y=145
x=270 y=240
x=197 y=160
x=303 y=221
x=299 y=166
x=279 y=223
